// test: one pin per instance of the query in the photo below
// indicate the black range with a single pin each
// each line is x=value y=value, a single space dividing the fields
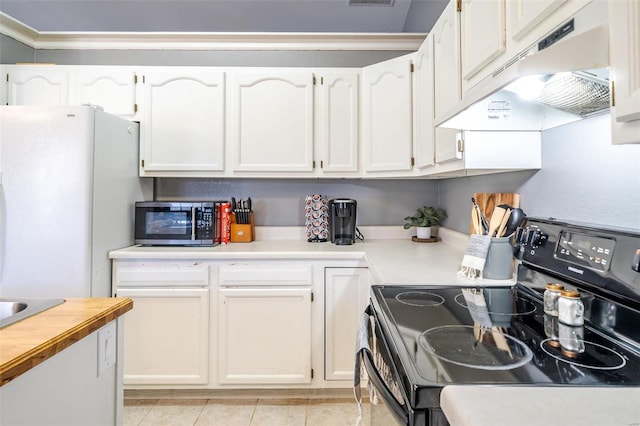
x=427 y=337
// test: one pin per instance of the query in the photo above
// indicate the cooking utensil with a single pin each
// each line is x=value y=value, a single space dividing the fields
x=487 y=201
x=481 y=219
x=503 y=224
x=476 y=227
x=496 y=220
x=516 y=218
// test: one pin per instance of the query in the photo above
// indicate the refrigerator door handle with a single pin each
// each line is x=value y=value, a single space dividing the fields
x=193 y=223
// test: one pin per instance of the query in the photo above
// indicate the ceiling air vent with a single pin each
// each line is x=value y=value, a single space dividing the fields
x=371 y=2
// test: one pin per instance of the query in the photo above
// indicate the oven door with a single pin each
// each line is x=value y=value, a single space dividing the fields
x=158 y=223
x=388 y=406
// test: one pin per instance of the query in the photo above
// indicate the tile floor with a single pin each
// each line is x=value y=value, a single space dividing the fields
x=243 y=411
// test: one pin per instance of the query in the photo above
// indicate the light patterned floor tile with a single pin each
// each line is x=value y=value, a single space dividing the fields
x=234 y=414
x=133 y=414
x=332 y=414
x=172 y=415
x=279 y=415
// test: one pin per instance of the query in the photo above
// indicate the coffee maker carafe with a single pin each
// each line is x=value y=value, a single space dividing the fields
x=342 y=221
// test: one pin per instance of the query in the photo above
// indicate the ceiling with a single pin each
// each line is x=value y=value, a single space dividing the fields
x=323 y=16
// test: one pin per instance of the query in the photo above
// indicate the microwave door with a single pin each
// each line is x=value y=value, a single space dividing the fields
x=164 y=225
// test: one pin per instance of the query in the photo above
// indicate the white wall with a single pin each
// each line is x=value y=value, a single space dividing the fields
x=583 y=178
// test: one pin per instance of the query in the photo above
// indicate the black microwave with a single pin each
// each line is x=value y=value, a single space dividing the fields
x=168 y=223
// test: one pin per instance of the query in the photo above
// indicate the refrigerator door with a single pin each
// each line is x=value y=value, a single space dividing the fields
x=116 y=188
x=46 y=159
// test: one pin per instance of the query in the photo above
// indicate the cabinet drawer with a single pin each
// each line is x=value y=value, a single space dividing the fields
x=268 y=274
x=185 y=274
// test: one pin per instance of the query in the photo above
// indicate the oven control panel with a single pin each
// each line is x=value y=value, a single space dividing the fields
x=585 y=250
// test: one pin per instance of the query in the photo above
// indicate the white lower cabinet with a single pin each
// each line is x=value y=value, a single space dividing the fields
x=166 y=337
x=346 y=292
x=264 y=335
x=166 y=340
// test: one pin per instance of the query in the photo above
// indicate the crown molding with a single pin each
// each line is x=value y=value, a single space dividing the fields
x=208 y=41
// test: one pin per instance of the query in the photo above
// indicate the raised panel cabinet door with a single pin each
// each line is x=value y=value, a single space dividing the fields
x=111 y=88
x=387 y=116
x=346 y=297
x=183 y=121
x=271 y=121
x=41 y=85
x=264 y=335
x=166 y=337
x=482 y=34
x=525 y=15
x=339 y=121
x=423 y=133
x=624 y=53
x=446 y=62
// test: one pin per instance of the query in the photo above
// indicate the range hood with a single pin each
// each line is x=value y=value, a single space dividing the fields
x=568 y=71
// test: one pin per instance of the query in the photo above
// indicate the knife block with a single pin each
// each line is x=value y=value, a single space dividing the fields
x=242 y=232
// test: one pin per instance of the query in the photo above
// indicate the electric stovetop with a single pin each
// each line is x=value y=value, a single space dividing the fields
x=495 y=335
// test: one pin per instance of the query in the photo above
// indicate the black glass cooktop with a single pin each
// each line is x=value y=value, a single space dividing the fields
x=495 y=335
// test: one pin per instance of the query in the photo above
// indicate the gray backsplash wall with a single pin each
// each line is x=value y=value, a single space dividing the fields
x=12 y=51
x=583 y=178
x=280 y=202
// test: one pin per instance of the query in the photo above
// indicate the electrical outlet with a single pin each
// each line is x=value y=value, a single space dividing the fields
x=106 y=347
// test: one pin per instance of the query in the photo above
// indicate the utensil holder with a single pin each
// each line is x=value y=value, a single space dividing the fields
x=499 y=262
x=242 y=232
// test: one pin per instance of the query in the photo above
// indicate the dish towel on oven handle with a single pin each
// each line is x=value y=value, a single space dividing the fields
x=475 y=256
x=362 y=344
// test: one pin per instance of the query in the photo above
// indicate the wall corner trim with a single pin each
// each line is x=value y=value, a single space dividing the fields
x=208 y=40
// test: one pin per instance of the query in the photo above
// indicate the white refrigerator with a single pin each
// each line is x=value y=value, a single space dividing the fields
x=68 y=183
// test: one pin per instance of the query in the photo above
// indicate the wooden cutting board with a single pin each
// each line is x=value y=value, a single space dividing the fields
x=489 y=200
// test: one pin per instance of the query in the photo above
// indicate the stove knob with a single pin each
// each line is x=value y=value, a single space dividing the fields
x=537 y=238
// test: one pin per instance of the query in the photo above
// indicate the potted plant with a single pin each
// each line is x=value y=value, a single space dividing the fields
x=424 y=218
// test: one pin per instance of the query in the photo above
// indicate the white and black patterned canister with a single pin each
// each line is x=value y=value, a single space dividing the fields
x=316 y=218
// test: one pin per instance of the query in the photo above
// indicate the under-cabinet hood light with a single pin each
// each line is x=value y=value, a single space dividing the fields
x=566 y=78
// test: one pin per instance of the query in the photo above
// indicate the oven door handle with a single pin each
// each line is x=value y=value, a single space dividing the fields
x=376 y=379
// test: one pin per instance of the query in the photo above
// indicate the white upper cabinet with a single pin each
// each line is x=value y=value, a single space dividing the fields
x=482 y=34
x=527 y=14
x=624 y=54
x=423 y=131
x=387 y=116
x=112 y=88
x=37 y=85
x=271 y=121
x=446 y=58
x=183 y=122
x=338 y=124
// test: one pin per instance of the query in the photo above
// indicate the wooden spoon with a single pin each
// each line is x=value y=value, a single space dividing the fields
x=496 y=220
x=503 y=224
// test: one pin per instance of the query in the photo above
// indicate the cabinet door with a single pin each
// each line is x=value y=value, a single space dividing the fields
x=183 y=127
x=264 y=335
x=166 y=337
x=449 y=145
x=346 y=296
x=387 y=116
x=338 y=121
x=112 y=88
x=482 y=34
x=271 y=121
x=624 y=51
x=446 y=60
x=423 y=134
x=41 y=85
x=527 y=14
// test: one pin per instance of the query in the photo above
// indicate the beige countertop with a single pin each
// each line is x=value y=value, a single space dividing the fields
x=392 y=257
x=29 y=342
x=536 y=406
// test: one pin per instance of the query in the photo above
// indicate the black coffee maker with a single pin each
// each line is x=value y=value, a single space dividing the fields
x=342 y=221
